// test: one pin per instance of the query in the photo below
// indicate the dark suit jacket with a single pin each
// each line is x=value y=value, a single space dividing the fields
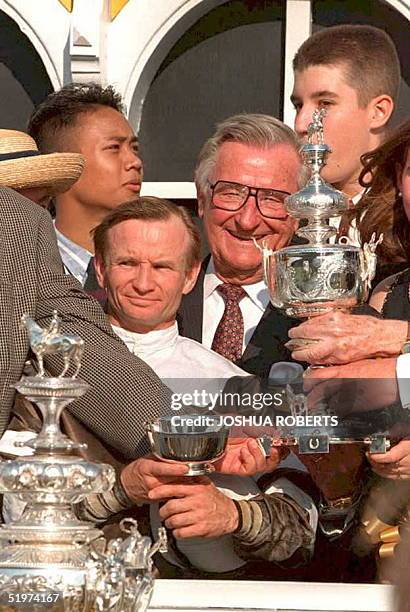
x=267 y=343
x=124 y=391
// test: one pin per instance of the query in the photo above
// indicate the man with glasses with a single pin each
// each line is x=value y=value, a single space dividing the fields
x=244 y=173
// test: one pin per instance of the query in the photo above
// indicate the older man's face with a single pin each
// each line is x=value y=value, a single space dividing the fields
x=145 y=273
x=230 y=234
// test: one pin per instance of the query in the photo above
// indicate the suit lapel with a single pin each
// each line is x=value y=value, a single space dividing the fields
x=267 y=345
x=191 y=311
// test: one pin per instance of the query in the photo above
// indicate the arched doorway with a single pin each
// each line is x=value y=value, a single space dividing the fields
x=193 y=88
x=24 y=81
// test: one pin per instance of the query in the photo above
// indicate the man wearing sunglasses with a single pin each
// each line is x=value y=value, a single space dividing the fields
x=244 y=173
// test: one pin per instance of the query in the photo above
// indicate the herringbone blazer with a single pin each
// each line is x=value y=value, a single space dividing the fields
x=267 y=345
x=124 y=391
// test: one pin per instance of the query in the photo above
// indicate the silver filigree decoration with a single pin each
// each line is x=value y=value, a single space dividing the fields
x=368 y=260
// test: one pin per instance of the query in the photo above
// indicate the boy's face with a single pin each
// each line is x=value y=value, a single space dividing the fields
x=347 y=126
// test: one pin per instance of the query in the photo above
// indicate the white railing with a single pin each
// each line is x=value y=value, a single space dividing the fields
x=227 y=595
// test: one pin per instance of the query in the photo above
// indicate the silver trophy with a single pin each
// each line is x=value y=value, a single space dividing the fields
x=311 y=278
x=197 y=440
x=49 y=558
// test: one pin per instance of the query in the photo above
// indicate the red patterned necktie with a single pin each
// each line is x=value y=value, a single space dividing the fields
x=228 y=337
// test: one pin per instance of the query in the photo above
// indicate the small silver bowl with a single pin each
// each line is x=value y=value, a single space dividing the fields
x=197 y=440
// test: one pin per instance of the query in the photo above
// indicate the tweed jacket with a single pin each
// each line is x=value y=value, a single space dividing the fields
x=124 y=391
x=267 y=345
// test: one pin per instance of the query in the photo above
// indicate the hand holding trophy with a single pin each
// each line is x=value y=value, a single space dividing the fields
x=317 y=277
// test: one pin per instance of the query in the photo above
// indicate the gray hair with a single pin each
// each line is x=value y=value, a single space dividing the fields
x=251 y=129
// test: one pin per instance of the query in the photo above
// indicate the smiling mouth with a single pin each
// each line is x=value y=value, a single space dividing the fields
x=139 y=300
x=245 y=239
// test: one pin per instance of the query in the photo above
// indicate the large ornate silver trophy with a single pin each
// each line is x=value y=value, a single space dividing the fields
x=49 y=558
x=197 y=440
x=310 y=278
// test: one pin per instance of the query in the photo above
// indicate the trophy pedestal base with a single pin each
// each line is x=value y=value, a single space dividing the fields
x=199 y=469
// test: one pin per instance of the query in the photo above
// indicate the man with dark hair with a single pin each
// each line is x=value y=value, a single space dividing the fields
x=90 y=120
x=353 y=72
x=61 y=109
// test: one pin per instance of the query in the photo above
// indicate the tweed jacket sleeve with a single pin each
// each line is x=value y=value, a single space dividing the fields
x=124 y=391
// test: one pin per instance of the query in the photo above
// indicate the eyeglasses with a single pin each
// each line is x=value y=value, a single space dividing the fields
x=233 y=196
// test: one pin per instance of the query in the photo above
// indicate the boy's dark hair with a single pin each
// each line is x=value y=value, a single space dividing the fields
x=381 y=209
x=61 y=109
x=367 y=53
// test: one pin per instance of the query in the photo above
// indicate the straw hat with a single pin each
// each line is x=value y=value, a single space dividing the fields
x=22 y=166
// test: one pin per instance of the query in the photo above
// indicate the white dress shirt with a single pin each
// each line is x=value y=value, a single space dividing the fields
x=252 y=306
x=75 y=257
x=184 y=364
x=180 y=361
x=174 y=357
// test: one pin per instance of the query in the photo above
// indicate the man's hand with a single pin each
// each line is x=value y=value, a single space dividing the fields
x=197 y=509
x=394 y=464
x=142 y=475
x=245 y=457
x=366 y=385
x=342 y=338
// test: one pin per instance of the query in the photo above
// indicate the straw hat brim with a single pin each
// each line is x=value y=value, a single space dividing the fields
x=57 y=171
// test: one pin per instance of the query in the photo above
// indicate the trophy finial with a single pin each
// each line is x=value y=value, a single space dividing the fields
x=50 y=341
x=315 y=128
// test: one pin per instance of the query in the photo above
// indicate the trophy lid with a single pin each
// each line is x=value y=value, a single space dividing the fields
x=317 y=200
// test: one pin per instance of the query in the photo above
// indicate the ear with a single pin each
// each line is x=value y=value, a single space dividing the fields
x=201 y=201
x=191 y=278
x=381 y=109
x=100 y=271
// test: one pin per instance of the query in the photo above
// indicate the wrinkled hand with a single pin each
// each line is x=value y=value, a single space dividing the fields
x=338 y=472
x=198 y=509
x=245 y=457
x=142 y=475
x=342 y=338
x=365 y=385
x=394 y=464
